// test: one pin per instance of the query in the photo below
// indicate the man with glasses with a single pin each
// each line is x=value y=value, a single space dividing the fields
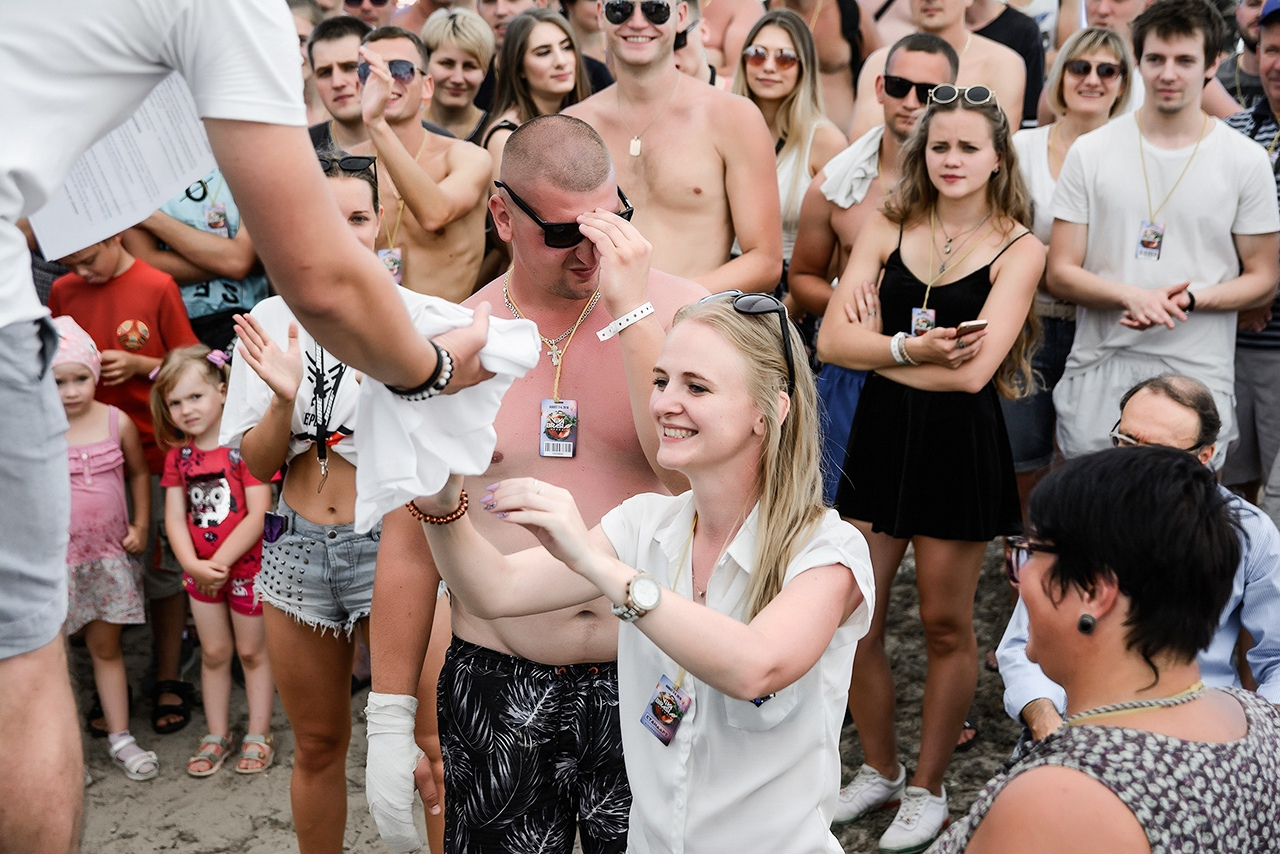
x=375 y=13
x=433 y=188
x=1176 y=412
x=1165 y=228
x=580 y=420
x=697 y=162
x=983 y=62
x=837 y=203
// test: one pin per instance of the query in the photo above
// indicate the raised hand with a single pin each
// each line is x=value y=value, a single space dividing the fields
x=548 y=512
x=464 y=345
x=280 y=370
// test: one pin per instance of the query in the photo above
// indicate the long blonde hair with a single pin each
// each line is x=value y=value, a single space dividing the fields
x=914 y=196
x=800 y=113
x=789 y=480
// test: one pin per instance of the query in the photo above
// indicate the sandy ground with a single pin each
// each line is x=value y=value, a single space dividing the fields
x=251 y=815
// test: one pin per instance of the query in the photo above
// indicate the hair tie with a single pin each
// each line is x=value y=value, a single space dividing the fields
x=218 y=358
x=154 y=371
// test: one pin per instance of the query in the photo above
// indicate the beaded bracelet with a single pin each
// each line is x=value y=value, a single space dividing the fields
x=457 y=514
x=435 y=383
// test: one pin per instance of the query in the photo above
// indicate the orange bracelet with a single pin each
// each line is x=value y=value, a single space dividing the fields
x=457 y=514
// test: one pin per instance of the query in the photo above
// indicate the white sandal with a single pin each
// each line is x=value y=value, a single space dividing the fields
x=131 y=765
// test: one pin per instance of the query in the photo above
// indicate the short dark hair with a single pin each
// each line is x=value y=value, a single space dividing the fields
x=1155 y=521
x=382 y=34
x=1187 y=392
x=335 y=28
x=1170 y=18
x=926 y=43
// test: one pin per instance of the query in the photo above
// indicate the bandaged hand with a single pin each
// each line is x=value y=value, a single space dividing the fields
x=393 y=756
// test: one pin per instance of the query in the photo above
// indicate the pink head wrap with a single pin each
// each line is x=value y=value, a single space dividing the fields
x=76 y=347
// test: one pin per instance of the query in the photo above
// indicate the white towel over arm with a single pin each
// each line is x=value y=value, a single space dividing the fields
x=409 y=448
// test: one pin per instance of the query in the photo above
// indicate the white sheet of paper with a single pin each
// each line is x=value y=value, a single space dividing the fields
x=129 y=173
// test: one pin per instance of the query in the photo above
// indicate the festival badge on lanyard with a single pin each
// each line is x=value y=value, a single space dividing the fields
x=558 y=432
x=393 y=260
x=215 y=219
x=666 y=708
x=1150 y=232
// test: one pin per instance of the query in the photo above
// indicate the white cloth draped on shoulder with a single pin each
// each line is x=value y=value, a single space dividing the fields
x=409 y=448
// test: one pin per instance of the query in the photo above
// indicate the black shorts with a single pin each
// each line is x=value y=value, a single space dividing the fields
x=532 y=753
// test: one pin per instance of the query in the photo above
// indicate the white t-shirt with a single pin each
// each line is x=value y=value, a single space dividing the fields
x=75 y=70
x=736 y=777
x=1032 y=146
x=1227 y=190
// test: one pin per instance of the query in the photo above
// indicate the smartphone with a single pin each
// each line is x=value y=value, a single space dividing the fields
x=970 y=326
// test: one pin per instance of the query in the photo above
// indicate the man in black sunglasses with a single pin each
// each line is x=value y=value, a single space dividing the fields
x=692 y=57
x=433 y=188
x=982 y=62
x=580 y=270
x=843 y=193
x=698 y=162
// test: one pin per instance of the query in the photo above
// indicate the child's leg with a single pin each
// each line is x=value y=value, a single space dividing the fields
x=259 y=684
x=217 y=644
x=103 y=642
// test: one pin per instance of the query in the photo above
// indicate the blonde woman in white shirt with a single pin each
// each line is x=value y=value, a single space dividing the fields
x=744 y=598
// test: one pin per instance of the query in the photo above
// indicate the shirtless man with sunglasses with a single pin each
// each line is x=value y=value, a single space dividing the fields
x=433 y=188
x=697 y=162
x=568 y=221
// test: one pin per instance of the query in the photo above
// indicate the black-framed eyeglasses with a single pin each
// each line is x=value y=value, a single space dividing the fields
x=1082 y=67
x=898 y=87
x=561 y=235
x=1017 y=551
x=1124 y=440
x=682 y=37
x=764 y=304
x=655 y=12
x=784 y=57
x=974 y=96
x=402 y=71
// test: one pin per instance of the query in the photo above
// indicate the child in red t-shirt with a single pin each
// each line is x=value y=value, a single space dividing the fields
x=214 y=511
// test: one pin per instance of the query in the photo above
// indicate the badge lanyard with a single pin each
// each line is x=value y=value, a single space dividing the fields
x=924 y=318
x=324 y=395
x=215 y=213
x=1151 y=232
x=392 y=256
x=558 y=429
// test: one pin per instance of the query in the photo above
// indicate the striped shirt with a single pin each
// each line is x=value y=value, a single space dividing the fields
x=1259 y=124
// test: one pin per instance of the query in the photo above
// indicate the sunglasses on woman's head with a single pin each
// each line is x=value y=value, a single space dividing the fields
x=350 y=163
x=656 y=12
x=898 y=87
x=561 y=235
x=402 y=70
x=783 y=57
x=1082 y=67
x=764 y=304
x=1017 y=551
x=974 y=96
x=354 y=3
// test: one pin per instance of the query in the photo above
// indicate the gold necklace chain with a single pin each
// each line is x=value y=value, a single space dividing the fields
x=556 y=353
x=1151 y=214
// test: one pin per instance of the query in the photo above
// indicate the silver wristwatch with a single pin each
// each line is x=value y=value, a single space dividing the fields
x=643 y=594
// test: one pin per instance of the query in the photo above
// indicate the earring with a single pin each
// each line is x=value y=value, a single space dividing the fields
x=1086 y=624
x=995 y=171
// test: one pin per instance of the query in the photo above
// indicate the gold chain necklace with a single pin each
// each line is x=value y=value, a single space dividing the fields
x=1151 y=214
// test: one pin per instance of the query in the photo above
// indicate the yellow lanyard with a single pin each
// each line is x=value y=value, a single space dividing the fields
x=928 y=286
x=1151 y=214
x=392 y=234
x=558 y=353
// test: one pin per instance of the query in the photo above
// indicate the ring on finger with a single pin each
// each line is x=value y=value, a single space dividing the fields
x=960 y=345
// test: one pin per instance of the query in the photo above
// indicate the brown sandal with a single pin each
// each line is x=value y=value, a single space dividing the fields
x=255 y=748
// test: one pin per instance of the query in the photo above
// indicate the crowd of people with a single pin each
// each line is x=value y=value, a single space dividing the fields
x=693 y=402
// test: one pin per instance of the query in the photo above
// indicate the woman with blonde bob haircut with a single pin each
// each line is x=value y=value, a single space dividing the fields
x=742 y=599
x=945 y=332
x=461 y=47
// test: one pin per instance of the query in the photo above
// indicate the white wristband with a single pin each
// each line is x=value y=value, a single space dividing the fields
x=896 y=348
x=626 y=320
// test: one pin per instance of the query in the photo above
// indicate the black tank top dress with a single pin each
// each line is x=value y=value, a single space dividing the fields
x=930 y=463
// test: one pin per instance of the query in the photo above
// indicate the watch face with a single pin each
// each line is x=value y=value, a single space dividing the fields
x=645 y=592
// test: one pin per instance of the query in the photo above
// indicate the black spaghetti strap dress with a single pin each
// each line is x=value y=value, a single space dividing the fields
x=930 y=463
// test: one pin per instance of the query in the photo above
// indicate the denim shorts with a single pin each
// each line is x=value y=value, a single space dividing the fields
x=1032 y=420
x=321 y=575
x=35 y=490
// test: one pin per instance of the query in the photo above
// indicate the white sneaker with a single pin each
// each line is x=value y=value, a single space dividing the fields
x=919 y=822
x=868 y=791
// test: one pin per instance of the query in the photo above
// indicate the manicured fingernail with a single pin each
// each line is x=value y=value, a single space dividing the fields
x=490 y=505
x=501 y=515
x=488 y=496
x=491 y=487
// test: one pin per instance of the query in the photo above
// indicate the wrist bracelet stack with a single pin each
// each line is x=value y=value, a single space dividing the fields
x=438 y=520
x=435 y=384
x=898 y=349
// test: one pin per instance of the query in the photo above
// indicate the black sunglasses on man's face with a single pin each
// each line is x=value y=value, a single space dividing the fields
x=561 y=235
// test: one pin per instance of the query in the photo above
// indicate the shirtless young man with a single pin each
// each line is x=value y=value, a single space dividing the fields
x=843 y=35
x=697 y=162
x=725 y=27
x=434 y=188
x=982 y=63
x=843 y=194
x=559 y=168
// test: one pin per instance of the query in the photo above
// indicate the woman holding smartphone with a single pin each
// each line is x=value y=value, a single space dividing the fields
x=928 y=461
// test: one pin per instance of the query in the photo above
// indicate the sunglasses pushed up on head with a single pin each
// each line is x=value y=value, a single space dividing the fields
x=974 y=96
x=758 y=304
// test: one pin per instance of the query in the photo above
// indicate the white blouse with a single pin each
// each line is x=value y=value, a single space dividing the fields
x=736 y=776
